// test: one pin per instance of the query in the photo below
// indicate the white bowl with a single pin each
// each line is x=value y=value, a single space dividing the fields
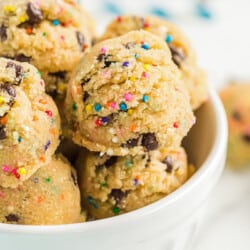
x=168 y=224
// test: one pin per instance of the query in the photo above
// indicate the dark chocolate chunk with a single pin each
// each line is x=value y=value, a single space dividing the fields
x=177 y=55
x=108 y=163
x=9 y=89
x=169 y=163
x=111 y=161
x=148 y=161
x=118 y=195
x=73 y=177
x=131 y=143
x=3 y=33
x=246 y=138
x=236 y=116
x=19 y=71
x=149 y=141
x=129 y=45
x=3 y=134
x=85 y=96
x=12 y=218
x=105 y=58
x=85 y=81
x=22 y=58
x=100 y=57
x=80 y=40
x=107 y=63
x=34 y=13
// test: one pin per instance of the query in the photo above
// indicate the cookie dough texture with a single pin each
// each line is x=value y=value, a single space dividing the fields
x=115 y=185
x=29 y=123
x=127 y=97
x=182 y=52
x=50 y=34
x=50 y=196
x=236 y=100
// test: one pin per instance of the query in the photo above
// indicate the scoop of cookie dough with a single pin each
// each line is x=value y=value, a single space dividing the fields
x=29 y=123
x=127 y=97
x=115 y=185
x=182 y=52
x=236 y=100
x=52 y=35
x=50 y=196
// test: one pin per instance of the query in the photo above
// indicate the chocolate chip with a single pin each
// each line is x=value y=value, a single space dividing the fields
x=236 y=116
x=149 y=141
x=12 y=218
x=80 y=39
x=131 y=143
x=129 y=45
x=108 y=163
x=85 y=81
x=111 y=161
x=34 y=13
x=100 y=57
x=3 y=134
x=246 y=138
x=85 y=96
x=105 y=58
x=169 y=163
x=19 y=71
x=118 y=195
x=9 y=89
x=3 y=33
x=177 y=55
x=73 y=177
x=148 y=161
x=60 y=74
x=107 y=63
x=22 y=58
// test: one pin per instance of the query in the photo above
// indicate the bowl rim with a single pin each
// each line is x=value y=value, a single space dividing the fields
x=209 y=165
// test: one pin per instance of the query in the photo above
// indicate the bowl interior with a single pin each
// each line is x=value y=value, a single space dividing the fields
x=201 y=137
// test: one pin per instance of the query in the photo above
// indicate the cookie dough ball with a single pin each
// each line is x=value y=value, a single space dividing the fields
x=182 y=52
x=51 y=196
x=115 y=185
x=29 y=123
x=126 y=97
x=236 y=100
x=52 y=35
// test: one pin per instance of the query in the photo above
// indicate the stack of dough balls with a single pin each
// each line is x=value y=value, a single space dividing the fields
x=37 y=186
x=128 y=104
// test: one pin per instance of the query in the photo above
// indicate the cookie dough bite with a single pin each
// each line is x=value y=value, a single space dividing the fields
x=29 y=123
x=126 y=97
x=236 y=100
x=51 y=196
x=115 y=185
x=182 y=52
x=52 y=35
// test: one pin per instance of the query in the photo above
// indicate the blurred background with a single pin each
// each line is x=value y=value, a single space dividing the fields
x=219 y=31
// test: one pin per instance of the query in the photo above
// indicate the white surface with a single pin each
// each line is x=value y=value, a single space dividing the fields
x=227 y=225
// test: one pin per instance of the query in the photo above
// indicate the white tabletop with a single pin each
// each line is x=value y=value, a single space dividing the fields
x=222 y=45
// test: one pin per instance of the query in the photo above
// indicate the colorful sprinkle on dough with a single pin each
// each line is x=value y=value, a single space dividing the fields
x=169 y=38
x=123 y=106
